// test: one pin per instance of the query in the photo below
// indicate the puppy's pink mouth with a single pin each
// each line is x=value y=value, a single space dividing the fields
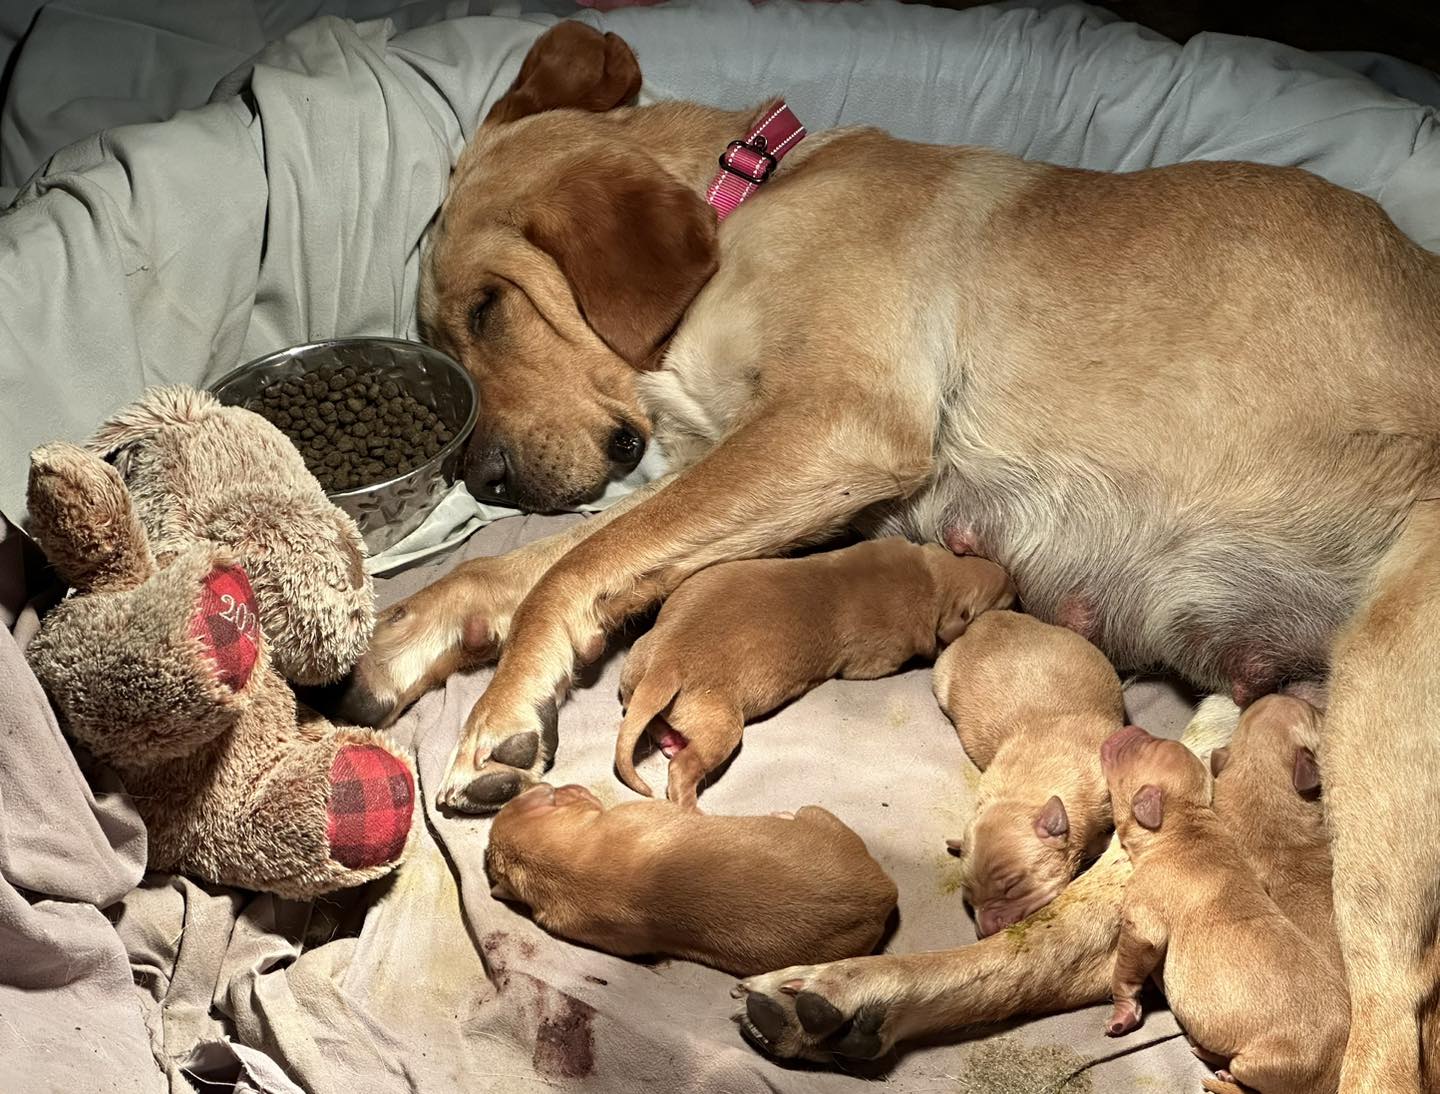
x=1118 y=743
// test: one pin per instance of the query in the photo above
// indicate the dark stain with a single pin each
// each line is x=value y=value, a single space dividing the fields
x=597 y=980
x=527 y=949
x=492 y=948
x=564 y=1041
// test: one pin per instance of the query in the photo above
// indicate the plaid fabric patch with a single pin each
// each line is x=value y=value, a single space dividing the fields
x=372 y=795
x=227 y=625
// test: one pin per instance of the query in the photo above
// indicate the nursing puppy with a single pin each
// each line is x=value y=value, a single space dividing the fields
x=1031 y=703
x=1267 y=794
x=743 y=894
x=1241 y=978
x=737 y=640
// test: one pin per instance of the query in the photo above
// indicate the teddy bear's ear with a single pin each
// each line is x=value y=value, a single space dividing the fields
x=159 y=408
x=81 y=515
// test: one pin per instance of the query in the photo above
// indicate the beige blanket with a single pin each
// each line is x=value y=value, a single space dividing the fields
x=426 y=983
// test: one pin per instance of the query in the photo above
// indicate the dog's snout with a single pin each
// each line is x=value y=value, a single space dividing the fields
x=487 y=472
x=626 y=447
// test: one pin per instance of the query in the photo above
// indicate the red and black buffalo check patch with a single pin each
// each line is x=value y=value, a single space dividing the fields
x=227 y=625
x=372 y=795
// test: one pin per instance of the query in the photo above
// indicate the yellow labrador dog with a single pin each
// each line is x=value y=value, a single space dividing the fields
x=1194 y=411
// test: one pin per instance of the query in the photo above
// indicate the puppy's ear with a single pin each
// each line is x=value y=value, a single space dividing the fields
x=1306 y=774
x=570 y=67
x=1218 y=759
x=501 y=891
x=1052 y=823
x=1148 y=806
x=635 y=245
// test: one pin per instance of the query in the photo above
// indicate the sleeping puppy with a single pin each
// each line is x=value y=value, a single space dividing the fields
x=1267 y=794
x=742 y=894
x=1247 y=986
x=739 y=639
x=1032 y=704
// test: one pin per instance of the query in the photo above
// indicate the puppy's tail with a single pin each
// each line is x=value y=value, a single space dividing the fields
x=652 y=695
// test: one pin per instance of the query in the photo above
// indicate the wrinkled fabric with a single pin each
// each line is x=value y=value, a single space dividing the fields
x=68 y=1010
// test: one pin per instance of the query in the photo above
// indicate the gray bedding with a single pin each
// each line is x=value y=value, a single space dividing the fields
x=171 y=251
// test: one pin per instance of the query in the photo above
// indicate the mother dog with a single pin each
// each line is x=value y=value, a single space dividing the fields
x=1193 y=410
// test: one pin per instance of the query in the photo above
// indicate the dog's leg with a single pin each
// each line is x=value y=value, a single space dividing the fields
x=781 y=479
x=457 y=623
x=1061 y=957
x=1380 y=763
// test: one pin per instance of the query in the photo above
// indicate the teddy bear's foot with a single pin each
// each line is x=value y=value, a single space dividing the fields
x=372 y=800
x=326 y=813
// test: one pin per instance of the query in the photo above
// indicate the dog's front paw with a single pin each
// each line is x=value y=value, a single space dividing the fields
x=817 y=1012
x=500 y=755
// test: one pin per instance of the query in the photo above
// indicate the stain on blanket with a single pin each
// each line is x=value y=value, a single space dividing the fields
x=1008 y=1065
x=564 y=1041
x=952 y=877
x=897 y=713
x=492 y=950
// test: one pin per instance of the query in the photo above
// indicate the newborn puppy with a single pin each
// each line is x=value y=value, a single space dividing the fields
x=1032 y=704
x=1267 y=794
x=1244 y=982
x=743 y=894
x=739 y=639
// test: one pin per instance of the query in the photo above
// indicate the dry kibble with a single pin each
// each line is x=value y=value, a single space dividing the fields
x=352 y=429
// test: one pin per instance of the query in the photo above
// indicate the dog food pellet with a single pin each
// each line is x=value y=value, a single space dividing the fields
x=351 y=429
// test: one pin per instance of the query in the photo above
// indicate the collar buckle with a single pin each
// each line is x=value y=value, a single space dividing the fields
x=756 y=159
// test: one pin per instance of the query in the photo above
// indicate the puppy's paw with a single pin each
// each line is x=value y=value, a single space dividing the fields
x=816 y=1012
x=1124 y=1018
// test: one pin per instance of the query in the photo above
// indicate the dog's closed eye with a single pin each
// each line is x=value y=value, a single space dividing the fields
x=479 y=311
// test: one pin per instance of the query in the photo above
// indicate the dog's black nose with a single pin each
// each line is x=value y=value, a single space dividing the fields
x=487 y=473
x=626 y=447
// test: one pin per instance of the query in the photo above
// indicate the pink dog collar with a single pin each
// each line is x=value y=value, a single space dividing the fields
x=744 y=165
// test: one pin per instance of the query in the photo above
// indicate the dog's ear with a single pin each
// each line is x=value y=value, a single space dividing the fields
x=635 y=245
x=1306 y=774
x=1052 y=823
x=570 y=67
x=1148 y=806
x=1218 y=759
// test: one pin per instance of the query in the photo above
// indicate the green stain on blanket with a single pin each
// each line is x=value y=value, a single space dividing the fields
x=1007 y=1065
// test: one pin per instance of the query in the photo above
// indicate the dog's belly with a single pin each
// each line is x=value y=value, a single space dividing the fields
x=1237 y=587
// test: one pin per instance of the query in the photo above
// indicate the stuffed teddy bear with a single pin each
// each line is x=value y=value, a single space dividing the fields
x=207 y=566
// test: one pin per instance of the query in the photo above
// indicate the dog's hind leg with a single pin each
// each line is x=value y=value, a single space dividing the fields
x=1062 y=957
x=1380 y=761
x=779 y=480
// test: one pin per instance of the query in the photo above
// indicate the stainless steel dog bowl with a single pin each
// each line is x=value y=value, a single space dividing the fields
x=386 y=511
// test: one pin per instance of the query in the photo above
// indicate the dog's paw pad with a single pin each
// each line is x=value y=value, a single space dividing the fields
x=818 y=1015
x=371 y=804
x=227 y=625
x=765 y=1018
x=489 y=790
x=517 y=750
